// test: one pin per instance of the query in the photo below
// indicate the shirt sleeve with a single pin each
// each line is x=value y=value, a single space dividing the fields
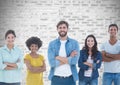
x=42 y=57
x=81 y=61
x=2 y=65
x=74 y=60
x=99 y=58
x=51 y=57
x=102 y=48
x=26 y=57
x=20 y=62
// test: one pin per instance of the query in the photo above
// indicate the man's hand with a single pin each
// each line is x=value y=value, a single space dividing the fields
x=105 y=57
x=63 y=60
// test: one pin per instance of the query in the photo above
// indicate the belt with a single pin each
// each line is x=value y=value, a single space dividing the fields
x=63 y=76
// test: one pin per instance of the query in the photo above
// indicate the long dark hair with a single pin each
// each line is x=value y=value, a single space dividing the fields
x=94 y=48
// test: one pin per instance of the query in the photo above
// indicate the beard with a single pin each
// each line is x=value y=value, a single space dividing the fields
x=62 y=34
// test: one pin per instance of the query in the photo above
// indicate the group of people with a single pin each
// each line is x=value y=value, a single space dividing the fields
x=63 y=56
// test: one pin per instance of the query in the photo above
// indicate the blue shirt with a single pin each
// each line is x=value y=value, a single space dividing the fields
x=11 y=56
x=53 y=51
x=83 y=58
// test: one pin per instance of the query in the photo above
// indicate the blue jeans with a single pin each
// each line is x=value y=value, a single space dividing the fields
x=56 y=80
x=2 y=83
x=109 y=78
x=88 y=81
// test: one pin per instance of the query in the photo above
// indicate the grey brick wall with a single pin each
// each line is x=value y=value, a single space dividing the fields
x=39 y=18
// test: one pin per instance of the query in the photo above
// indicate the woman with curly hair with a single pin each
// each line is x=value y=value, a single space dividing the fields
x=35 y=62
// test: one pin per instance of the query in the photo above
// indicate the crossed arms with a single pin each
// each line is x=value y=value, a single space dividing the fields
x=55 y=60
x=35 y=69
x=107 y=57
x=86 y=65
x=64 y=60
x=11 y=66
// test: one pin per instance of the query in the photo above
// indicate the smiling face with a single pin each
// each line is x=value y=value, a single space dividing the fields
x=62 y=30
x=113 y=31
x=10 y=38
x=34 y=48
x=90 y=42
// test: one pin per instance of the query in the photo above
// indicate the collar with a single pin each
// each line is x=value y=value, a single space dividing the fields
x=6 y=48
x=58 y=39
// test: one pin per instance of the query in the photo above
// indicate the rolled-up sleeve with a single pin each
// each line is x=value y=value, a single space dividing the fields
x=51 y=57
x=20 y=61
x=2 y=65
x=97 y=65
x=74 y=60
x=81 y=62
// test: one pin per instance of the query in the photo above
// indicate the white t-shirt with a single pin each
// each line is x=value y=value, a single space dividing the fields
x=113 y=66
x=63 y=70
x=88 y=73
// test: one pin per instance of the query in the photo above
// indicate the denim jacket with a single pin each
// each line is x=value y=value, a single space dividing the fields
x=83 y=58
x=53 y=51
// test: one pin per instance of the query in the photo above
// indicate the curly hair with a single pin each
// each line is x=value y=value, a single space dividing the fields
x=33 y=40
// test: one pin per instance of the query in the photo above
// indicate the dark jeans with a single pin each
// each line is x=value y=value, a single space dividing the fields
x=56 y=80
x=2 y=83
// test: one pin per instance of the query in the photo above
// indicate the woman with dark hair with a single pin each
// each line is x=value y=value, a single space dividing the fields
x=35 y=62
x=10 y=61
x=89 y=62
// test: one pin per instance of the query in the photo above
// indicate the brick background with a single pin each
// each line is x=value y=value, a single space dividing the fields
x=39 y=18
